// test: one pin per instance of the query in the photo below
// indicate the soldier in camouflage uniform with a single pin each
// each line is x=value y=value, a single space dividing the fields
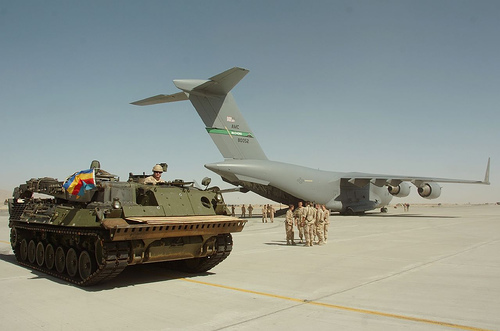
x=156 y=178
x=270 y=212
x=299 y=220
x=326 y=224
x=289 y=225
x=320 y=223
x=310 y=218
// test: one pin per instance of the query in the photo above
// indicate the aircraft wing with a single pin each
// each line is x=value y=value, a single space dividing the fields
x=362 y=179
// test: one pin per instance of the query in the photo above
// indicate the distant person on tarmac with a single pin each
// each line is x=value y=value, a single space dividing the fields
x=289 y=225
x=271 y=211
x=326 y=223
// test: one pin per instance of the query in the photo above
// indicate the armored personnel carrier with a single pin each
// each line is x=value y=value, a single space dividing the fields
x=90 y=238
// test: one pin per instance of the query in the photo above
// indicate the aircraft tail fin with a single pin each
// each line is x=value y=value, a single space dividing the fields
x=487 y=174
x=215 y=104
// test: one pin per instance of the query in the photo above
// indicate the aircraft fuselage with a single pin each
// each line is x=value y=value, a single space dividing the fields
x=288 y=183
x=247 y=166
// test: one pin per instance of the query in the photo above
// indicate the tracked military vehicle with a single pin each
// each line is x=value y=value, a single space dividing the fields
x=90 y=238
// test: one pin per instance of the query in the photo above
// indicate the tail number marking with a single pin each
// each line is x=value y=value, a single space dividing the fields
x=243 y=140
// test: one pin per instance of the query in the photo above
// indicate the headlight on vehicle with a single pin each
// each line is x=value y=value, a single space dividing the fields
x=117 y=204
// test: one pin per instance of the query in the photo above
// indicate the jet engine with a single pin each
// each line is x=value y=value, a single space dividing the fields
x=400 y=191
x=429 y=190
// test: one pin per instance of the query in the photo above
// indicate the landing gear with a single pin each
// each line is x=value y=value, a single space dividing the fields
x=383 y=210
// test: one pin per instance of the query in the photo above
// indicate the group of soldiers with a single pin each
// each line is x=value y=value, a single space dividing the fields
x=268 y=211
x=312 y=223
x=243 y=211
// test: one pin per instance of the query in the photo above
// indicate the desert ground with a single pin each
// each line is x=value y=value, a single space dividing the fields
x=431 y=268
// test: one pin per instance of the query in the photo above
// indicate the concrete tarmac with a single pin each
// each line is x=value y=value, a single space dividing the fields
x=432 y=268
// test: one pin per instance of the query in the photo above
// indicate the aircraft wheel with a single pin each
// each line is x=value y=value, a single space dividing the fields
x=49 y=256
x=40 y=254
x=349 y=211
x=72 y=262
x=60 y=259
x=31 y=251
x=24 y=250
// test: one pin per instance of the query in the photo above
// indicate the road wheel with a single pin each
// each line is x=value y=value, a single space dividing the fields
x=60 y=260
x=85 y=265
x=40 y=254
x=24 y=250
x=72 y=262
x=13 y=238
x=49 y=256
x=31 y=251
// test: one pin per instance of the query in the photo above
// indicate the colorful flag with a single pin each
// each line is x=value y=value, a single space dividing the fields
x=80 y=182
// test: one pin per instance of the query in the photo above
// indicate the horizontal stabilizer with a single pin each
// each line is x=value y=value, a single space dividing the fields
x=161 y=98
x=220 y=84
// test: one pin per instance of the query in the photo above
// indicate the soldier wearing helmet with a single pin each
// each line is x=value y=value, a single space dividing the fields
x=156 y=178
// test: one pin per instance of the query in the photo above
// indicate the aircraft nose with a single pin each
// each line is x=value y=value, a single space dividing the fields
x=217 y=168
x=212 y=166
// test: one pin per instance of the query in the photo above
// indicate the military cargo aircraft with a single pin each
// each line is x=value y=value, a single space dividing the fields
x=247 y=167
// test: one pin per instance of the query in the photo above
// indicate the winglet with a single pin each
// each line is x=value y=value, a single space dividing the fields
x=487 y=175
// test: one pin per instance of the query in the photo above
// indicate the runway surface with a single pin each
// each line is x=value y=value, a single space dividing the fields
x=432 y=268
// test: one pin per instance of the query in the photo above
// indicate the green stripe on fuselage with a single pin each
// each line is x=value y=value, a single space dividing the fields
x=229 y=132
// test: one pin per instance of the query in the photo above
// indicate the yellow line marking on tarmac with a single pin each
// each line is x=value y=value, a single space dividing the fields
x=327 y=305
x=4 y=242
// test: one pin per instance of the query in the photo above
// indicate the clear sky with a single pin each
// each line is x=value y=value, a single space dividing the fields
x=390 y=87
